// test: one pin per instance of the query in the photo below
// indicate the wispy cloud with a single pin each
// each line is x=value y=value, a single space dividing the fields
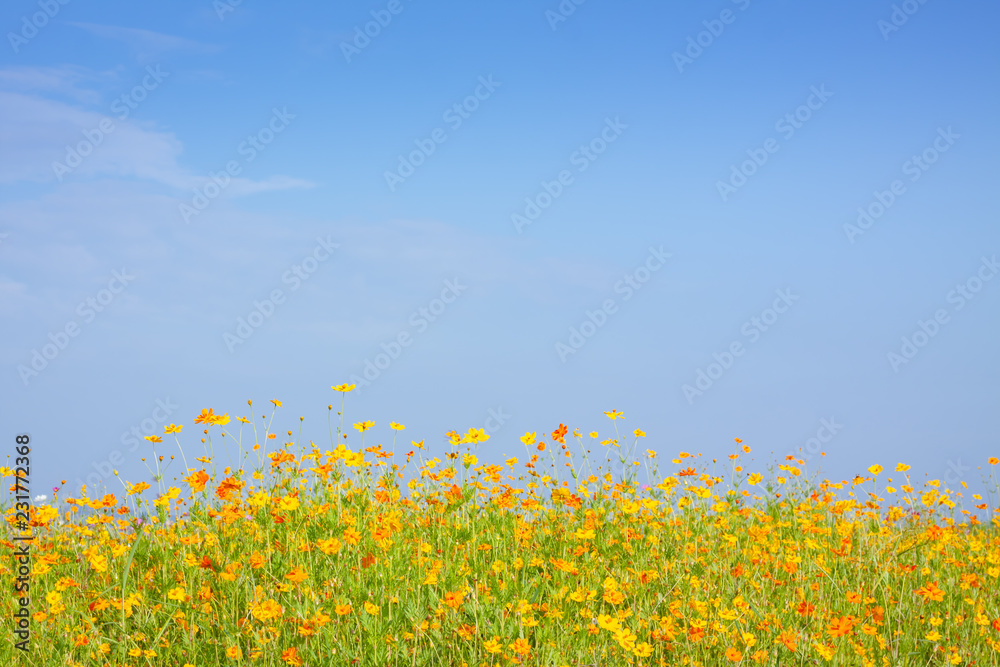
x=66 y=81
x=147 y=44
x=35 y=132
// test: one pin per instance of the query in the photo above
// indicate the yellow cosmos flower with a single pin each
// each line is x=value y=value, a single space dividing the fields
x=494 y=645
x=288 y=504
x=266 y=610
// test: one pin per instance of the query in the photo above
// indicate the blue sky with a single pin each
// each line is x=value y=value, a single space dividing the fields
x=688 y=178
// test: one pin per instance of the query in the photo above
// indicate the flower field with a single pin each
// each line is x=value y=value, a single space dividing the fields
x=265 y=550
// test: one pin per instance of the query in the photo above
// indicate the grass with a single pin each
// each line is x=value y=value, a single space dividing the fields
x=294 y=556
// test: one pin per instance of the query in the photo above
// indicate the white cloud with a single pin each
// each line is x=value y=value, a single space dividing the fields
x=37 y=135
x=64 y=80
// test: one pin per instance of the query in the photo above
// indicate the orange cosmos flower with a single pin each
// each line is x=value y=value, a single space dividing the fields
x=931 y=592
x=205 y=417
x=291 y=657
x=789 y=639
x=804 y=609
x=521 y=646
x=733 y=655
x=841 y=626
x=137 y=488
x=297 y=575
x=559 y=435
x=454 y=599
